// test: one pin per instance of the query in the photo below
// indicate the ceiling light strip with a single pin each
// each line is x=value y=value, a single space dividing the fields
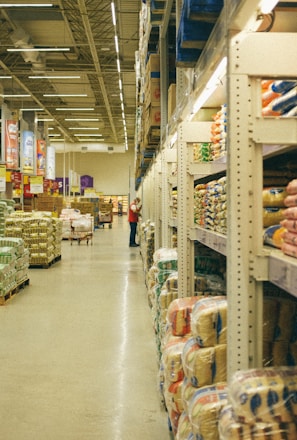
x=26 y=5
x=38 y=49
x=54 y=77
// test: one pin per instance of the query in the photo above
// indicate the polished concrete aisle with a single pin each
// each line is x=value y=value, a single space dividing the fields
x=78 y=357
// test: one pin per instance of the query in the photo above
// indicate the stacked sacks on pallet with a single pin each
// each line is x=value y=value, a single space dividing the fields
x=262 y=404
x=14 y=264
x=38 y=232
x=178 y=333
x=6 y=207
x=22 y=257
x=204 y=367
x=165 y=263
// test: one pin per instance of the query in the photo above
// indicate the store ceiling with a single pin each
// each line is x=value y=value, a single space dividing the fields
x=87 y=29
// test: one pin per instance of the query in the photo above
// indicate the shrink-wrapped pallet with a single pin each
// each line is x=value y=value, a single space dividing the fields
x=204 y=365
x=184 y=428
x=209 y=321
x=231 y=429
x=173 y=396
x=172 y=359
x=265 y=395
x=204 y=409
x=187 y=390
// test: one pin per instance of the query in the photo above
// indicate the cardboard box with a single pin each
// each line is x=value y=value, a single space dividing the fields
x=171 y=100
x=153 y=66
x=153 y=116
x=152 y=92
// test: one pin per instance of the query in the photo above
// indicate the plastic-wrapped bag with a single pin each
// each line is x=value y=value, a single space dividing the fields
x=264 y=395
x=204 y=409
x=204 y=366
x=179 y=315
x=209 y=321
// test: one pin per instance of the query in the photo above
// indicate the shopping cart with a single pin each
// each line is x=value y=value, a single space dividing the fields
x=82 y=229
x=105 y=214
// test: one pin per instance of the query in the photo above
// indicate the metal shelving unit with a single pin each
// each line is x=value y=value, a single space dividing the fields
x=251 y=57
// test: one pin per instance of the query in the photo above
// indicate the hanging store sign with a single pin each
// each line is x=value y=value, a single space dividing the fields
x=11 y=144
x=50 y=163
x=36 y=184
x=41 y=156
x=28 y=151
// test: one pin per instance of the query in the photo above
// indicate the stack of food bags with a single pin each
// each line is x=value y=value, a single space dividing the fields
x=262 y=405
x=204 y=389
x=178 y=333
x=289 y=246
x=279 y=332
x=279 y=98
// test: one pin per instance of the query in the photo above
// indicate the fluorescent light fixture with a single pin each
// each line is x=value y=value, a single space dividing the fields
x=211 y=86
x=118 y=66
x=40 y=49
x=57 y=140
x=121 y=96
x=16 y=96
x=54 y=77
x=113 y=13
x=83 y=128
x=44 y=120
x=50 y=128
x=91 y=140
x=5 y=77
x=25 y=5
x=82 y=119
x=37 y=109
x=266 y=6
x=54 y=134
x=122 y=106
x=120 y=84
x=116 y=41
x=75 y=109
x=88 y=134
x=71 y=95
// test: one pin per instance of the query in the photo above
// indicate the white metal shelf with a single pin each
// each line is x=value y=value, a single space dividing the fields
x=204 y=169
x=211 y=239
x=282 y=271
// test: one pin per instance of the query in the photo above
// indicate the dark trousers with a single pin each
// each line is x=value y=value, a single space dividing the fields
x=133 y=229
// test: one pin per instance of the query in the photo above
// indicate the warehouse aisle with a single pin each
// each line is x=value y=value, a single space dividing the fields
x=78 y=359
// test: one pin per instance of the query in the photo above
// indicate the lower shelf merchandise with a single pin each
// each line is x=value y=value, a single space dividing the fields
x=192 y=356
x=14 y=264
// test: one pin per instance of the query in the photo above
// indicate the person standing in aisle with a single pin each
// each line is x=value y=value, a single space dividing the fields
x=134 y=211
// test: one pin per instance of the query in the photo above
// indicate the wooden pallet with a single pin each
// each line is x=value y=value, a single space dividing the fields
x=45 y=265
x=14 y=292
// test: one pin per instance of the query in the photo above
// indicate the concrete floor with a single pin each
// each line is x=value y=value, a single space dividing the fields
x=78 y=356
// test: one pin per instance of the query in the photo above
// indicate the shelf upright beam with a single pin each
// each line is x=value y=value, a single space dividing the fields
x=188 y=133
x=158 y=201
x=241 y=220
x=183 y=244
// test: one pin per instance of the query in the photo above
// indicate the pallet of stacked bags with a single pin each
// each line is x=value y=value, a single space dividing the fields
x=41 y=233
x=203 y=389
x=14 y=264
x=195 y=374
x=262 y=404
